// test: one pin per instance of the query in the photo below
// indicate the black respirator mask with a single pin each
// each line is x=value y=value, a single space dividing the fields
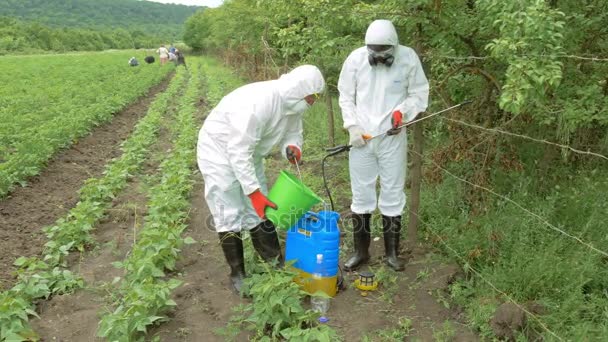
x=380 y=54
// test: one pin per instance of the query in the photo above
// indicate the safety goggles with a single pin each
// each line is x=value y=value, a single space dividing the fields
x=379 y=48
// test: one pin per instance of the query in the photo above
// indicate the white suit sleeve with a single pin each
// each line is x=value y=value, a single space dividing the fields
x=245 y=134
x=293 y=136
x=347 y=86
x=418 y=91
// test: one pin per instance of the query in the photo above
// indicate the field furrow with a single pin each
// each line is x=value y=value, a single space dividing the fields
x=54 y=101
x=46 y=276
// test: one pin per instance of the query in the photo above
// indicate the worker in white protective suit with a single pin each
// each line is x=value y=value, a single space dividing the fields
x=382 y=86
x=232 y=144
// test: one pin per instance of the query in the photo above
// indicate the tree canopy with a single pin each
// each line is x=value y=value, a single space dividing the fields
x=517 y=57
x=152 y=18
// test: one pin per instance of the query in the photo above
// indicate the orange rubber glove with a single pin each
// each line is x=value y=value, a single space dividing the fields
x=260 y=202
x=293 y=153
x=396 y=121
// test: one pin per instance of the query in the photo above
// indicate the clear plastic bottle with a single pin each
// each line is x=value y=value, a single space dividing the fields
x=319 y=304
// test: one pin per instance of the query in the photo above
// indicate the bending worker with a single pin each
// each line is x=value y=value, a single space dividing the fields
x=382 y=85
x=236 y=136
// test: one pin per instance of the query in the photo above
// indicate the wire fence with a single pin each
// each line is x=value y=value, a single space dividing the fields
x=495 y=130
x=584 y=58
x=520 y=206
x=541 y=219
x=484 y=279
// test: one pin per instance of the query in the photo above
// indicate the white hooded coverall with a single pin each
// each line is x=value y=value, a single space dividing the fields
x=368 y=97
x=240 y=131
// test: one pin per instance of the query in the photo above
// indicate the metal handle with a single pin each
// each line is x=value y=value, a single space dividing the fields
x=338 y=149
x=465 y=102
x=298 y=168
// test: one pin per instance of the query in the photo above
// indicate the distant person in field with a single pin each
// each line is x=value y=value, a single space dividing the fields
x=172 y=57
x=180 y=59
x=163 y=54
x=236 y=137
x=382 y=86
x=133 y=62
x=149 y=59
x=172 y=49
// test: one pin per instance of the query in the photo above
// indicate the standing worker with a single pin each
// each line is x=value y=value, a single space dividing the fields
x=382 y=85
x=180 y=59
x=236 y=136
x=163 y=54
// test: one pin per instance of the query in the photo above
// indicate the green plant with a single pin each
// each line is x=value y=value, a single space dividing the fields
x=276 y=311
x=423 y=275
x=532 y=68
x=445 y=333
x=387 y=281
x=145 y=296
x=399 y=333
x=41 y=115
x=43 y=278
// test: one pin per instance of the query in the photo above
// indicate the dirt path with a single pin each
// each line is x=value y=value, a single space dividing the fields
x=205 y=301
x=418 y=295
x=75 y=317
x=413 y=306
x=53 y=193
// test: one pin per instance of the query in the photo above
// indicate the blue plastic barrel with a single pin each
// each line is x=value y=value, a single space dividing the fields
x=313 y=234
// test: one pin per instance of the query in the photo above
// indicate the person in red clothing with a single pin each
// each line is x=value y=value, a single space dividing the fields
x=232 y=144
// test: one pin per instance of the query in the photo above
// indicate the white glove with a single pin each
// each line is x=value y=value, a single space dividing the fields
x=356 y=136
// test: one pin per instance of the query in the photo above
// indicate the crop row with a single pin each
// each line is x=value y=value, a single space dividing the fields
x=42 y=278
x=49 y=102
x=145 y=292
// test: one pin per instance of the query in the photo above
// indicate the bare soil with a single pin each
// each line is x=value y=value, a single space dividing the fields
x=75 y=317
x=51 y=194
x=205 y=301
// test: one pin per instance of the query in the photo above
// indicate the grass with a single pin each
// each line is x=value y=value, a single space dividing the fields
x=513 y=250
x=402 y=330
x=519 y=254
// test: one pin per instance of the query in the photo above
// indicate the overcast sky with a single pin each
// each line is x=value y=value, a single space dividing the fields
x=208 y=3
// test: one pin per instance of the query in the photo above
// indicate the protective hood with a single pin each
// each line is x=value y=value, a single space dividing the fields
x=300 y=82
x=381 y=32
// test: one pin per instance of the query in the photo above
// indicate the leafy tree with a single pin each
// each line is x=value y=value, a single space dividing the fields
x=153 y=18
x=538 y=66
x=17 y=36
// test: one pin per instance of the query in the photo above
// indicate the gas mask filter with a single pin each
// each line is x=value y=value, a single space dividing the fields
x=385 y=57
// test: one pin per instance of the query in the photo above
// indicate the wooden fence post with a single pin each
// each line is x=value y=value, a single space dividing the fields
x=330 y=119
x=412 y=228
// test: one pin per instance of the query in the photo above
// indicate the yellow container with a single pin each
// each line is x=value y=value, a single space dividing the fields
x=310 y=284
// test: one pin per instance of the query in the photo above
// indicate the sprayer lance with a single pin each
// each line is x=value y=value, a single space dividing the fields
x=343 y=148
x=368 y=138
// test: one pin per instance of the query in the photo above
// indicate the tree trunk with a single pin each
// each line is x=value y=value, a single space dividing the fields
x=330 y=119
x=412 y=228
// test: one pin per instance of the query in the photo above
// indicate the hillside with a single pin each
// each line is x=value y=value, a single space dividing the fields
x=152 y=18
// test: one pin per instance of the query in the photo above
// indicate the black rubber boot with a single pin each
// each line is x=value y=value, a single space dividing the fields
x=232 y=245
x=361 y=239
x=392 y=232
x=266 y=242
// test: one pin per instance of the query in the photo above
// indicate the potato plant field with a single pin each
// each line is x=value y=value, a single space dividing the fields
x=122 y=248
x=105 y=234
x=48 y=102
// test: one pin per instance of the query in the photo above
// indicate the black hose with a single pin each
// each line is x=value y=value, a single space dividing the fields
x=331 y=201
x=332 y=152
